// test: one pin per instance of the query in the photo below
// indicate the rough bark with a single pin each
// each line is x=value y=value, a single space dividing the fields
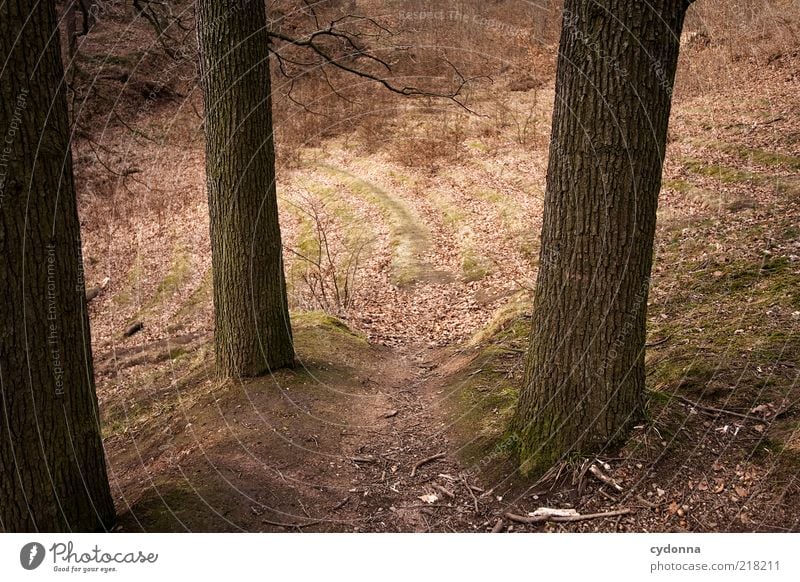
x=52 y=465
x=585 y=370
x=70 y=18
x=253 y=334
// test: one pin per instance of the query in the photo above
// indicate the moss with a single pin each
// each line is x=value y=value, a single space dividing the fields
x=692 y=375
x=200 y=296
x=483 y=411
x=487 y=390
x=178 y=353
x=472 y=267
x=718 y=172
x=172 y=281
x=509 y=325
x=319 y=321
x=126 y=61
x=477 y=145
x=492 y=196
x=170 y=507
x=677 y=185
x=760 y=156
x=402 y=178
x=130 y=288
x=729 y=175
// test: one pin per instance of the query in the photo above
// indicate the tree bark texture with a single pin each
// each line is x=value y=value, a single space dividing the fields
x=253 y=333
x=585 y=369
x=52 y=463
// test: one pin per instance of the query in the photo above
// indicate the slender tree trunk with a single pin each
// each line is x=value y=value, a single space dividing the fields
x=52 y=465
x=585 y=371
x=253 y=334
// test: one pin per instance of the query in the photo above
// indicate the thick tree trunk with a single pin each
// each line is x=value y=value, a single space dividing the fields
x=52 y=465
x=253 y=334
x=585 y=371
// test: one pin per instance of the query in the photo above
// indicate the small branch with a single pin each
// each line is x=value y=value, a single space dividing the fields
x=601 y=476
x=326 y=57
x=425 y=461
x=647 y=503
x=341 y=504
x=663 y=340
x=714 y=410
x=565 y=518
x=363 y=459
x=444 y=490
x=471 y=494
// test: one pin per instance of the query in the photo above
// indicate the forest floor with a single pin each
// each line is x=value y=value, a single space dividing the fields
x=395 y=419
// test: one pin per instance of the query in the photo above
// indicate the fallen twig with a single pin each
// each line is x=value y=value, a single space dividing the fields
x=663 y=340
x=363 y=459
x=565 y=518
x=444 y=490
x=341 y=504
x=647 y=503
x=600 y=476
x=608 y=496
x=498 y=527
x=471 y=494
x=425 y=461
x=713 y=409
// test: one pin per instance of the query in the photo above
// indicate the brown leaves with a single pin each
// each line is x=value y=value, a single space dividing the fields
x=771 y=410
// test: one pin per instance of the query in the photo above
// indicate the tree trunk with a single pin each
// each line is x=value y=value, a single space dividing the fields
x=72 y=31
x=585 y=370
x=52 y=465
x=253 y=334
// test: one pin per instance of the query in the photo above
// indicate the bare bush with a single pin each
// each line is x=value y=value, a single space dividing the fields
x=720 y=35
x=326 y=260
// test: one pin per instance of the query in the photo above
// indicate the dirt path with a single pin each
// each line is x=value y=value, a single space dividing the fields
x=408 y=477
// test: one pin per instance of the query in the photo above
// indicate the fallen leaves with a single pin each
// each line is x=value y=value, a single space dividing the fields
x=771 y=410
